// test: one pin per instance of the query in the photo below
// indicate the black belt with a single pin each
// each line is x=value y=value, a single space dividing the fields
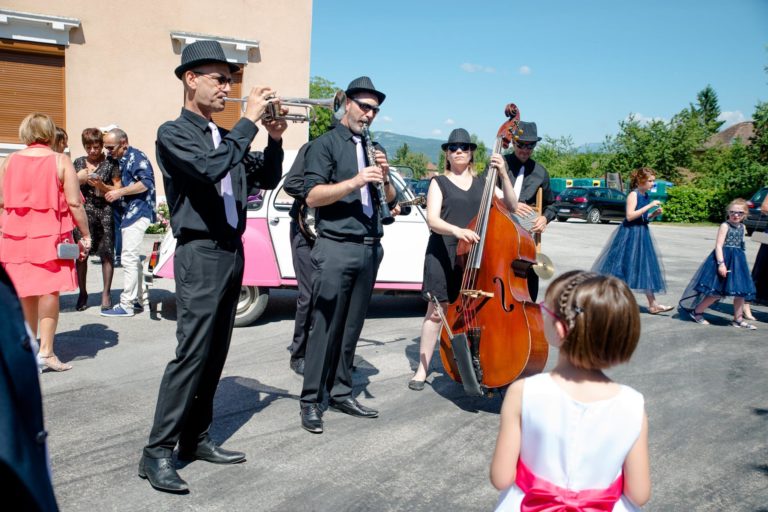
x=355 y=239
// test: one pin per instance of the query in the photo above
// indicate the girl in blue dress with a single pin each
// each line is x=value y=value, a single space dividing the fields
x=724 y=273
x=630 y=254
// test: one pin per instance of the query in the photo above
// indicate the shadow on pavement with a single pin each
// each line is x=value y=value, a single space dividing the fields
x=85 y=342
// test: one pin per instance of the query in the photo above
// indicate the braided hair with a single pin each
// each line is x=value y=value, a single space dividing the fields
x=601 y=318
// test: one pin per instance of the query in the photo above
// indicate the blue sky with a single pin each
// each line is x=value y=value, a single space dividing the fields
x=574 y=67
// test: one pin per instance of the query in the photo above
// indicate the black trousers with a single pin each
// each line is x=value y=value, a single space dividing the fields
x=342 y=284
x=208 y=279
x=301 y=252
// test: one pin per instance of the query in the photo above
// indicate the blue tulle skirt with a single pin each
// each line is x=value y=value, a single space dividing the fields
x=707 y=282
x=631 y=256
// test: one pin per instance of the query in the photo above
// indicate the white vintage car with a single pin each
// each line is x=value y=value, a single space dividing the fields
x=268 y=262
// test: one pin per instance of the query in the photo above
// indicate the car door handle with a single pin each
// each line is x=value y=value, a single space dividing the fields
x=274 y=221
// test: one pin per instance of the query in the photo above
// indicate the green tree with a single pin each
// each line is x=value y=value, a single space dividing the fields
x=416 y=161
x=708 y=108
x=759 y=139
x=320 y=88
x=480 y=156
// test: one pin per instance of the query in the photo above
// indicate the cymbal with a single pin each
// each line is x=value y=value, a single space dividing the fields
x=544 y=268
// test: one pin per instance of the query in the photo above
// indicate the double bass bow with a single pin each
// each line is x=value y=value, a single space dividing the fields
x=493 y=332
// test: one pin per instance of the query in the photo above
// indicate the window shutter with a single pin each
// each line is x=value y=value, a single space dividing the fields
x=31 y=80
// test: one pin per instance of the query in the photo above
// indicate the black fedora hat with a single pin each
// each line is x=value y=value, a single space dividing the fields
x=203 y=52
x=528 y=132
x=459 y=136
x=364 y=84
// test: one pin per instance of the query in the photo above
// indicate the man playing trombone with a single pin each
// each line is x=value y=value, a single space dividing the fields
x=207 y=172
x=338 y=182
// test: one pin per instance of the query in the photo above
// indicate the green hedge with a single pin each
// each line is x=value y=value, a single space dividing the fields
x=692 y=204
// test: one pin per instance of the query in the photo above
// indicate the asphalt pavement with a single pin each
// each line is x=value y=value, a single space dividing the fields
x=706 y=391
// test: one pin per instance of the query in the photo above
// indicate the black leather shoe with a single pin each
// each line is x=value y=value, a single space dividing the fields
x=311 y=419
x=352 y=407
x=209 y=452
x=297 y=365
x=162 y=475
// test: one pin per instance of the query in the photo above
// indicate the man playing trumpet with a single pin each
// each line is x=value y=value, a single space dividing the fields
x=208 y=173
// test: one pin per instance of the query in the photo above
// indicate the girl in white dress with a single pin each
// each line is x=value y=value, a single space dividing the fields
x=573 y=439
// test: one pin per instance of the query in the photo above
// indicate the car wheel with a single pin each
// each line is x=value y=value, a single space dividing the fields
x=593 y=216
x=250 y=305
x=562 y=219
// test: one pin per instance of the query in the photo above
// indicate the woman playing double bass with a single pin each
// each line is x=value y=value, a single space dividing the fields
x=453 y=200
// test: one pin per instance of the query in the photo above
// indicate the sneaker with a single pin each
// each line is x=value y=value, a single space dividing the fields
x=137 y=307
x=741 y=324
x=117 y=311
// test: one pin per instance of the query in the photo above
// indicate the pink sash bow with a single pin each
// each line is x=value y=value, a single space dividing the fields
x=543 y=496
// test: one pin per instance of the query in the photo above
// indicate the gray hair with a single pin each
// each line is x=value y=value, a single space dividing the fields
x=119 y=134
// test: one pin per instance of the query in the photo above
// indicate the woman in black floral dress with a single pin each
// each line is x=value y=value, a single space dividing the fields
x=98 y=175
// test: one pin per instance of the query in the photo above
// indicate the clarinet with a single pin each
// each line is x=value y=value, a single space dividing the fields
x=378 y=189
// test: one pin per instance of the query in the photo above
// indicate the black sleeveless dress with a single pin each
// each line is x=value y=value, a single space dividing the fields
x=441 y=276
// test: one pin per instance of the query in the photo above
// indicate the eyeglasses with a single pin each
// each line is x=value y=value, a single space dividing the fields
x=221 y=79
x=525 y=145
x=740 y=214
x=365 y=107
x=455 y=147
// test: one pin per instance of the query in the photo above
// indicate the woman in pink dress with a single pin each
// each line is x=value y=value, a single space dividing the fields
x=39 y=199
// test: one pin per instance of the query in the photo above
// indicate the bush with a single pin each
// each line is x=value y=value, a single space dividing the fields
x=691 y=204
x=163 y=220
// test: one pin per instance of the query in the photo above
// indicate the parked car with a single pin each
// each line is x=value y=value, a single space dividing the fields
x=593 y=204
x=420 y=187
x=268 y=262
x=755 y=220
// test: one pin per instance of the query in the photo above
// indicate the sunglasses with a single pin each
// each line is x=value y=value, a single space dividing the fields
x=741 y=214
x=221 y=79
x=525 y=145
x=455 y=147
x=365 y=107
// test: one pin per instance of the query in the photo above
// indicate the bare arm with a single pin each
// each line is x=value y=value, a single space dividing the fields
x=71 y=187
x=637 y=471
x=633 y=214
x=136 y=187
x=719 y=242
x=440 y=226
x=764 y=206
x=507 y=452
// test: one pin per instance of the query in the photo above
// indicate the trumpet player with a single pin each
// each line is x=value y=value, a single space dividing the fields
x=346 y=256
x=207 y=172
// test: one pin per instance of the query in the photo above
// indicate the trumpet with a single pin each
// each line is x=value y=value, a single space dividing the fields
x=273 y=111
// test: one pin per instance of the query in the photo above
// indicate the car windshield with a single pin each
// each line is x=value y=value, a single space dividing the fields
x=570 y=193
x=759 y=197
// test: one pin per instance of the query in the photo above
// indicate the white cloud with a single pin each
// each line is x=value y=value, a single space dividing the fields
x=524 y=70
x=731 y=118
x=640 y=118
x=386 y=119
x=477 y=68
x=450 y=122
x=437 y=131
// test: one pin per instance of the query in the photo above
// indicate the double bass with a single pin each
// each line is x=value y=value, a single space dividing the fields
x=493 y=332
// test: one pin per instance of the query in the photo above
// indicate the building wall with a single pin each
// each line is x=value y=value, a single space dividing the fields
x=120 y=61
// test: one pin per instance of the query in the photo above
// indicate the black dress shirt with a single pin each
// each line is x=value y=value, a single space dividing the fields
x=193 y=169
x=332 y=158
x=294 y=181
x=534 y=176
